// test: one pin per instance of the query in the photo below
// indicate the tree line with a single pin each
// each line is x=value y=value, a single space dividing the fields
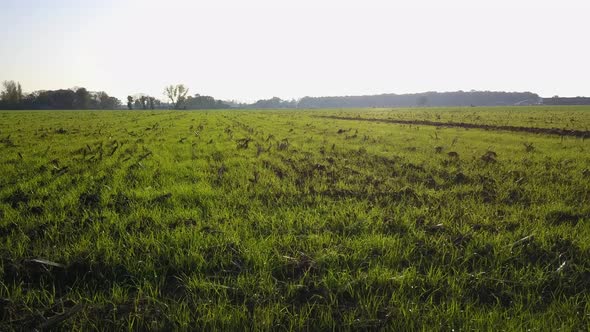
x=143 y=102
x=440 y=99
x=13 y=98
x=557 y=100
x=274 y=102
x=177 y=94
x=458 y=98
x=177 y=97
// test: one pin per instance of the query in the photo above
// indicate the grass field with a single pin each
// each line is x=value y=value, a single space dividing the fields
x=283 y=220
x=562 y=117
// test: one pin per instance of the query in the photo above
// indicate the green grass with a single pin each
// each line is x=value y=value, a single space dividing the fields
x=559 y=117
x=282 y=220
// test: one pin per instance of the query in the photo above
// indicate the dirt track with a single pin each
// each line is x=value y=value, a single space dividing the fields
x=533 y=130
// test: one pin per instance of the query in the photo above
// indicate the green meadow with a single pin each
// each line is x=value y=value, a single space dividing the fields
x=560 y=117
x=288 y=220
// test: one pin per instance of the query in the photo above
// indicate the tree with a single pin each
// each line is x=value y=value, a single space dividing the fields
x=113 y=103
x=176 y=94
x=82 y=99
x=63 y=99
x=143 y=100
x=107 y=102
x=203 y=102
x=12 y=93
x=151 y=101
x=274 y=102
x=129 y=102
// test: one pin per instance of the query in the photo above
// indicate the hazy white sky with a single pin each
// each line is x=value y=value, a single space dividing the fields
x=248 y=50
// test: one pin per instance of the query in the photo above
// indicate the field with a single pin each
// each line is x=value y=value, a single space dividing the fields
x=567 y=118
x=294 y=220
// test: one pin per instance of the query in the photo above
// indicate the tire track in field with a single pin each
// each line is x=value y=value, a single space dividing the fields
x=533 y=130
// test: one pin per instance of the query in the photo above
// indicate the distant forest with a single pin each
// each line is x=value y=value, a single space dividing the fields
x=556 y=100
x=79 y=98
x=459 y=98
x=12 y=97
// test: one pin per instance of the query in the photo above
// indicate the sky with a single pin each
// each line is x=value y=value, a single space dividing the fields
x=249 y=50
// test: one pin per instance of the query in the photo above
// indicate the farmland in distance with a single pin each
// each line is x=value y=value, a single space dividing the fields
x=296 y=219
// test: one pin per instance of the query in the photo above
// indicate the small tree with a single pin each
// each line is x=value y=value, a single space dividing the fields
x=143 y=100
x=107 y=102
x=83 y=99
x=176 y=94
x=12 y=93
x=129 y=102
